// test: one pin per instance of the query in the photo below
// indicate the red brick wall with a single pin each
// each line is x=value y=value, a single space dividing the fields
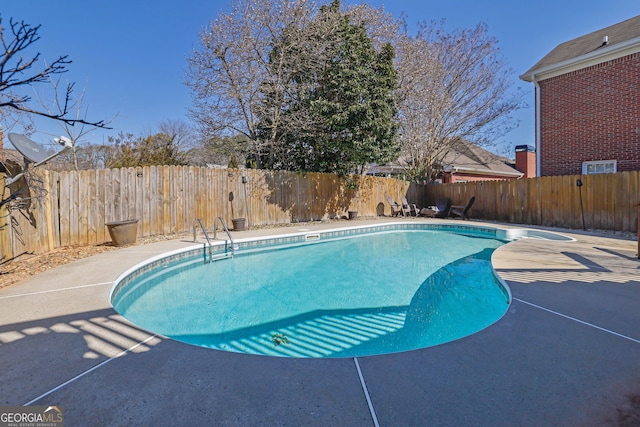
x=591 y=114
x=526 y=163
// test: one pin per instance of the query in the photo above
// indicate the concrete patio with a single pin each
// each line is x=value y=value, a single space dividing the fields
x=566 y=353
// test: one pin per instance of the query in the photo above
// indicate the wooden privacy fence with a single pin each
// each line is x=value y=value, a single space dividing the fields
x=72 y=208
x=605 y=201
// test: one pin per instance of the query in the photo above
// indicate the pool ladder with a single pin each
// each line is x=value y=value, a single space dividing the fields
x=233 y=246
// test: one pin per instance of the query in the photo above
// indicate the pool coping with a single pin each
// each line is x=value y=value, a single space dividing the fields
x=571 y=332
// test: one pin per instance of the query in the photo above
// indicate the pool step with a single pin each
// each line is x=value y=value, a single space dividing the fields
x=219 y=257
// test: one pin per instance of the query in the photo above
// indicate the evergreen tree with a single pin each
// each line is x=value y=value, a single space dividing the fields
x=340 y=114
x=159 y=149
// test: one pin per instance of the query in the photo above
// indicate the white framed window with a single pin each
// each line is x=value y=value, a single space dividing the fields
x=599 y=166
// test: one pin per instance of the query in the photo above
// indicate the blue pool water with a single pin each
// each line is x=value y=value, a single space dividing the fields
x=369 y=294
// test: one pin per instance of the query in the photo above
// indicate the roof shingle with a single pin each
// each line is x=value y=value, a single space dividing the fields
x=572 y=49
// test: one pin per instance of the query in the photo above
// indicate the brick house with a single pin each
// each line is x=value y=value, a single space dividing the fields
x=469 y=162
x=587 y=103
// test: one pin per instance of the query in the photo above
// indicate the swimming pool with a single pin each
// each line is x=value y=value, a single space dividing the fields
x=340 y=293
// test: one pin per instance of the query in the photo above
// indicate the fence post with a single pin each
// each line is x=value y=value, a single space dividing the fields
x=637 y=204
x=6 y=248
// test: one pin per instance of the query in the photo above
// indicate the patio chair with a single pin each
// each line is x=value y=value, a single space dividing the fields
x=462 y=211
x=442 y=208
x=396 y=209
x=409 y=208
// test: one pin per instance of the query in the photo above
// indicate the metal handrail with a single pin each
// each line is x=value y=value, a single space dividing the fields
x=226 y=229
x=206 y=235
x=215 y=236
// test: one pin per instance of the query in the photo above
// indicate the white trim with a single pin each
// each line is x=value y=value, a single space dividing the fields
x=596 y=57
x=538 y=125
x=585 y=166
x=458 y=169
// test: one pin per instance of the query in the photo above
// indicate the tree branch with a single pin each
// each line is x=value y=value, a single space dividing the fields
x=17 y=72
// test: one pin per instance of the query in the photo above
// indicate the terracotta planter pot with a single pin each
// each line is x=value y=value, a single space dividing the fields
x=123 y=232
x=238 y=224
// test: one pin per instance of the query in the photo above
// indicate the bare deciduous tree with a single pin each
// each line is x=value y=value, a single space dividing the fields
x=219 y=151
x=73 y=104
x=247 y=71
x=227 y=72
x=339 y=109
x=381 y=26
x=17 y=72
x=453 y=86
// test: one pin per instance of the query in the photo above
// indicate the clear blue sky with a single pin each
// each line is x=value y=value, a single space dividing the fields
x=131 y=55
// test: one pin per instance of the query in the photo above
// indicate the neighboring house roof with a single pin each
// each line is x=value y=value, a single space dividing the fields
x=11 y=154
x=469 y=158
x=599 y=46
x=465 y=157
x=10 y=162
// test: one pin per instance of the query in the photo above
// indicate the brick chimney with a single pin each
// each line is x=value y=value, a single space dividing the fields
x=526 y=160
